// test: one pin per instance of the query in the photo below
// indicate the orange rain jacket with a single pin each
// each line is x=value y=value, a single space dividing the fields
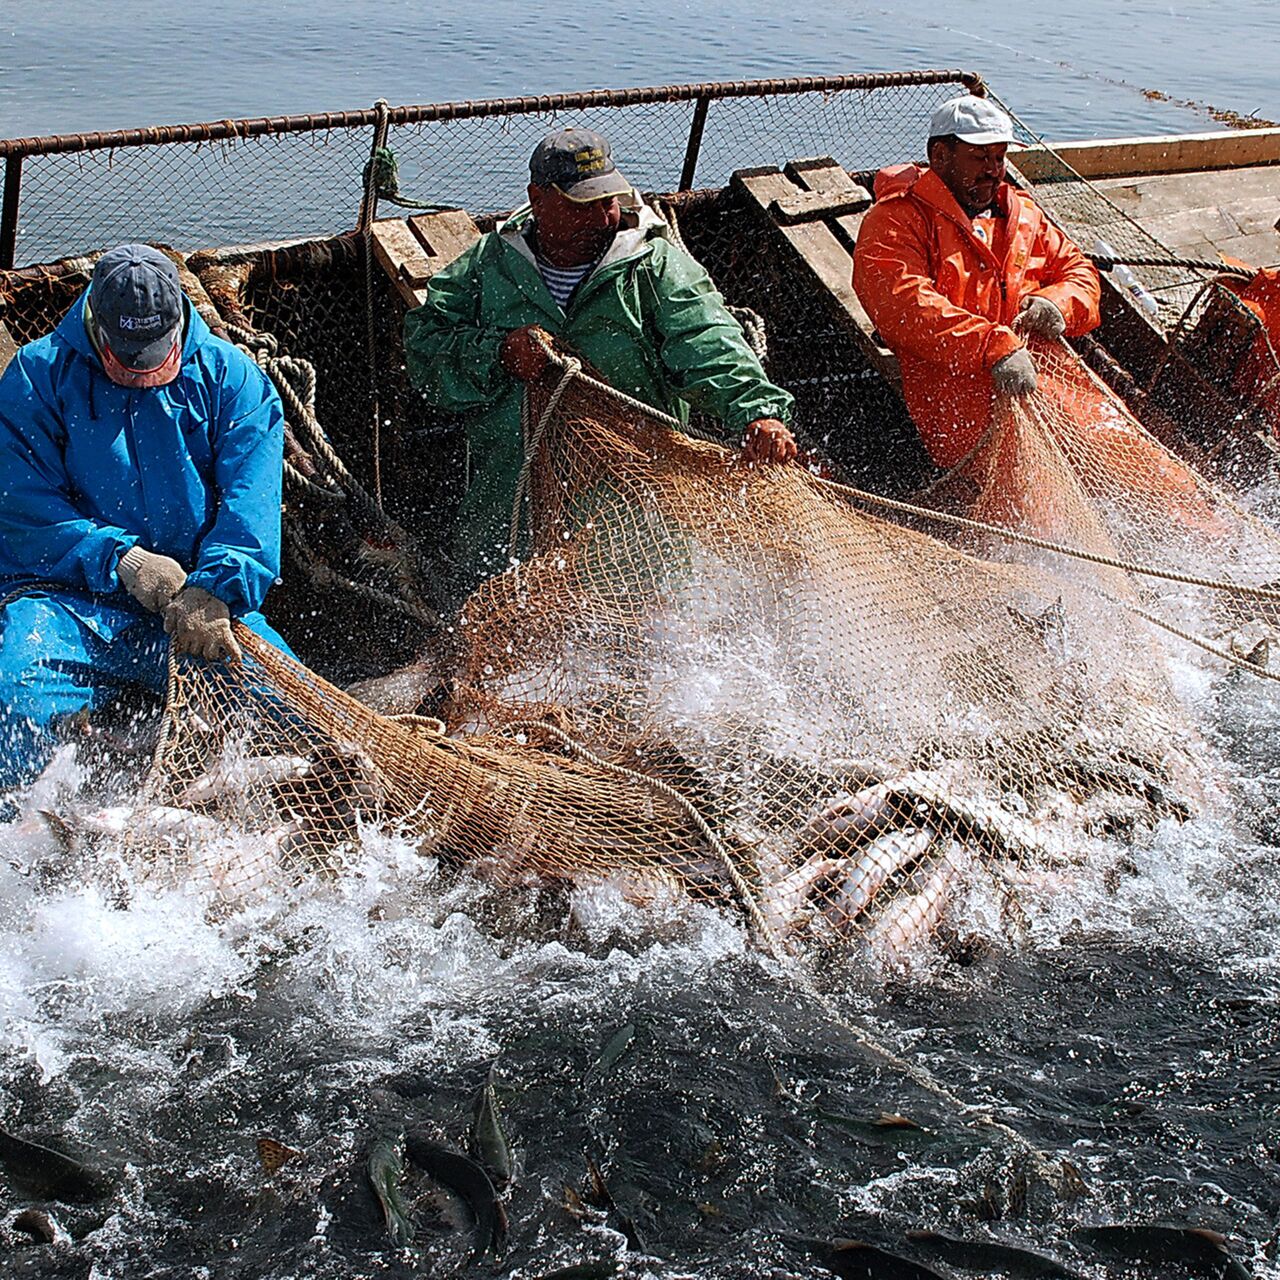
x=944 y=303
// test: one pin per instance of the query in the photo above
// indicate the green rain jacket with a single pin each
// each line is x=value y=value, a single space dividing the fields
x=648 y=317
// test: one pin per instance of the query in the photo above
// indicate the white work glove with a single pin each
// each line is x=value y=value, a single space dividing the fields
x=1039 y=315
x=200 y=624
x=1015 y=374
x=150 y=579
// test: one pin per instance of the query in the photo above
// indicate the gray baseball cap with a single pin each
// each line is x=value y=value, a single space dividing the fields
x=136 y=302
x=578 y=163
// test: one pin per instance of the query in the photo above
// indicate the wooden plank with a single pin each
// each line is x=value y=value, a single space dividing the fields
x=1173 y=153
x=825 y=262
x=827 y=178
x=444 y=235
x=805 y=206
x=1261 y=250
x=8 y=347
x=1169 y=193
x=412 y=252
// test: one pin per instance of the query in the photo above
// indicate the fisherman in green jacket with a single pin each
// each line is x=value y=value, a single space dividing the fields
x=587 y=262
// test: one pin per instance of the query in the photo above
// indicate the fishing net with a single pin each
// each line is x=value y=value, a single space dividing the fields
x=1071 y=467
x=730 y=681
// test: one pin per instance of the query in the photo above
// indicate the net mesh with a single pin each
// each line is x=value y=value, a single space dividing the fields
x=248 y=189
x=734 y=682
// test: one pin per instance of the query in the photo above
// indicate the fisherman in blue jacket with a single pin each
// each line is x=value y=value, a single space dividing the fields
x=140 y=473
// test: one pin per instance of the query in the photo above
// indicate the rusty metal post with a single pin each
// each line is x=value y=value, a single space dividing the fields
x=9 y=211
x=695 y=143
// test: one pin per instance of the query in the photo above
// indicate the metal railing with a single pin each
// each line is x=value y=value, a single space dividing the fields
x=231 y=181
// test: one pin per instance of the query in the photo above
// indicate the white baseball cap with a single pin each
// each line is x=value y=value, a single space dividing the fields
x=971 y=119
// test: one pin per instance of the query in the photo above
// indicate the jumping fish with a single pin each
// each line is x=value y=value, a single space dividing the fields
x=471 y=1182
x=913 y=919
x=488 y=1141
x=386 y=1171
x=988 y=1256
x=1197 y=1249
x=50 y=1174
x=233 y=776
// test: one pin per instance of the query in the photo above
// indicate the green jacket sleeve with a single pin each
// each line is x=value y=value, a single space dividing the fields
x=703 y=348
x=449 y=355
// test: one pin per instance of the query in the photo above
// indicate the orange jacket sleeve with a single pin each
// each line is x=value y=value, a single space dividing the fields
x=1068 y=279
x=892 y=279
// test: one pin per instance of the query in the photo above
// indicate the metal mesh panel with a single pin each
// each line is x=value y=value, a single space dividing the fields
x=192 y=195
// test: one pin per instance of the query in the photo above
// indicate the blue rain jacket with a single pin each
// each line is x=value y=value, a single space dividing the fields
x=190 y=470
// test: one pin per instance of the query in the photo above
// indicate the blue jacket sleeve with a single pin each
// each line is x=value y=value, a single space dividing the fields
x=239 y=558
x=42 y=534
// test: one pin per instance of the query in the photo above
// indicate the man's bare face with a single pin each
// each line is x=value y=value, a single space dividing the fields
x=973 y=174
x=571 y=234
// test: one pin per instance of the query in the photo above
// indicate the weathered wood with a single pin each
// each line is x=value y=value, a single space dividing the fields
x=8 y=347
x=444 y=235
x=814 y=249
x=826 y=178
x=1166 y=193
x=805 y=206
x=412 y=251
x=1176 y=153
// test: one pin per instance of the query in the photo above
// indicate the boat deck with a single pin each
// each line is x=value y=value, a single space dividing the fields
x=1201 y=195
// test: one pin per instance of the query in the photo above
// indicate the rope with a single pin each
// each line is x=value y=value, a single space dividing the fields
x=296 y=381
x=325 y=575
x=368 y=210
x=571 y=368
x=1107 y=261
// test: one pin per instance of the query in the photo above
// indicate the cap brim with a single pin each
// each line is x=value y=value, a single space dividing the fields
x=598 y=188
x=150 y=355
x=985 y=138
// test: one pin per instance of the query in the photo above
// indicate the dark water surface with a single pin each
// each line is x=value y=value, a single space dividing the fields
x=1132 y=1031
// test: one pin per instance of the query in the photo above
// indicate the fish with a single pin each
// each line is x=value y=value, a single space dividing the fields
x=386 y=1171
x=896 y=1131
x=912 y=920
x=1197 y=1247
x=845 y=824
x=462 y=1174
x=888 y=857
x=39 y=1225
x=51 y=1175
x=784 y=895
x=488 y=1141
x=618 y=1044
x=233 y=776
x=603 y=1270
x=988 y=1256
x=858 y=1260
x=599 y=1196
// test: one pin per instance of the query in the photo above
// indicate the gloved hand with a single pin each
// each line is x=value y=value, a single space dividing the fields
x=150 y=579
x=1039 y=315
x=1015 y=374
x=521 y=354
x=768 y=440
x=200 y=624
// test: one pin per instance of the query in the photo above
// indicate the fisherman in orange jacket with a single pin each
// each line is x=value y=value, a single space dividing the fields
x=956 y=268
